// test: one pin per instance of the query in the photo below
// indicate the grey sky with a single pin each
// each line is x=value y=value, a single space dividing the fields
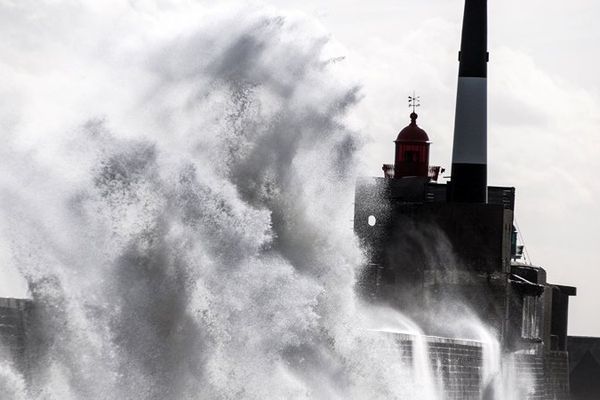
x=544 y=123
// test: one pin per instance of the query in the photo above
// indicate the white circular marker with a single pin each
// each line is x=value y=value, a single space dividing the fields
x=372 y=220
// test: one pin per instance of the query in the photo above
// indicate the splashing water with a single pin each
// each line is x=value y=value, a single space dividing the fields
x=177 y=195
x=178 y=200
x=382 y=319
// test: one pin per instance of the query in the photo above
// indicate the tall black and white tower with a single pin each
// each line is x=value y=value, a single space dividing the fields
x=469 y=152
x=399 y=219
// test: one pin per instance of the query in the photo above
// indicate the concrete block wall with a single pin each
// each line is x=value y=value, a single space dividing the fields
x=458 y=366
x=584 y=367
x=557 y=367
x=13 y=330
x=543 y=376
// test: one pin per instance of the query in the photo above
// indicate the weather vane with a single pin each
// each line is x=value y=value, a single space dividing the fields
x=414 y=101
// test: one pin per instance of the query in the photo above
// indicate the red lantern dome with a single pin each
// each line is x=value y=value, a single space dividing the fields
x=412 y=151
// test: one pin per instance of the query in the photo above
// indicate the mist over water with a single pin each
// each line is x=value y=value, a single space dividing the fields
x=177 y=195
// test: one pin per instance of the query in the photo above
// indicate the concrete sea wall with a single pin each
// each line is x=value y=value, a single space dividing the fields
x=465 y=370
x=13 y=331
x=452 y=368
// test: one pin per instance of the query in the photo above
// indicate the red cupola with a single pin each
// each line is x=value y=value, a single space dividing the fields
x=412 y=151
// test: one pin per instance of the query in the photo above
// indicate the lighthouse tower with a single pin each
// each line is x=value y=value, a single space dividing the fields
x=438 y=252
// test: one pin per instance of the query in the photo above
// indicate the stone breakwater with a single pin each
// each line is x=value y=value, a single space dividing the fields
x=469 y=369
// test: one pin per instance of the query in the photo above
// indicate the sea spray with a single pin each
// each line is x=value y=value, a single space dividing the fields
x=12 y=384
x=499 y=380
x=421 y=378
x=177 y=198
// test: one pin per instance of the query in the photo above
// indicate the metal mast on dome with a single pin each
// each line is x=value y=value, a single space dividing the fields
x=414 y=101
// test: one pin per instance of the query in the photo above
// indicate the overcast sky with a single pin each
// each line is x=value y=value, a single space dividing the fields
x=544 y=124
x=544 y=97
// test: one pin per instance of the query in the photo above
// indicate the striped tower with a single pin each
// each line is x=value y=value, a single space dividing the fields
x=469 y=153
